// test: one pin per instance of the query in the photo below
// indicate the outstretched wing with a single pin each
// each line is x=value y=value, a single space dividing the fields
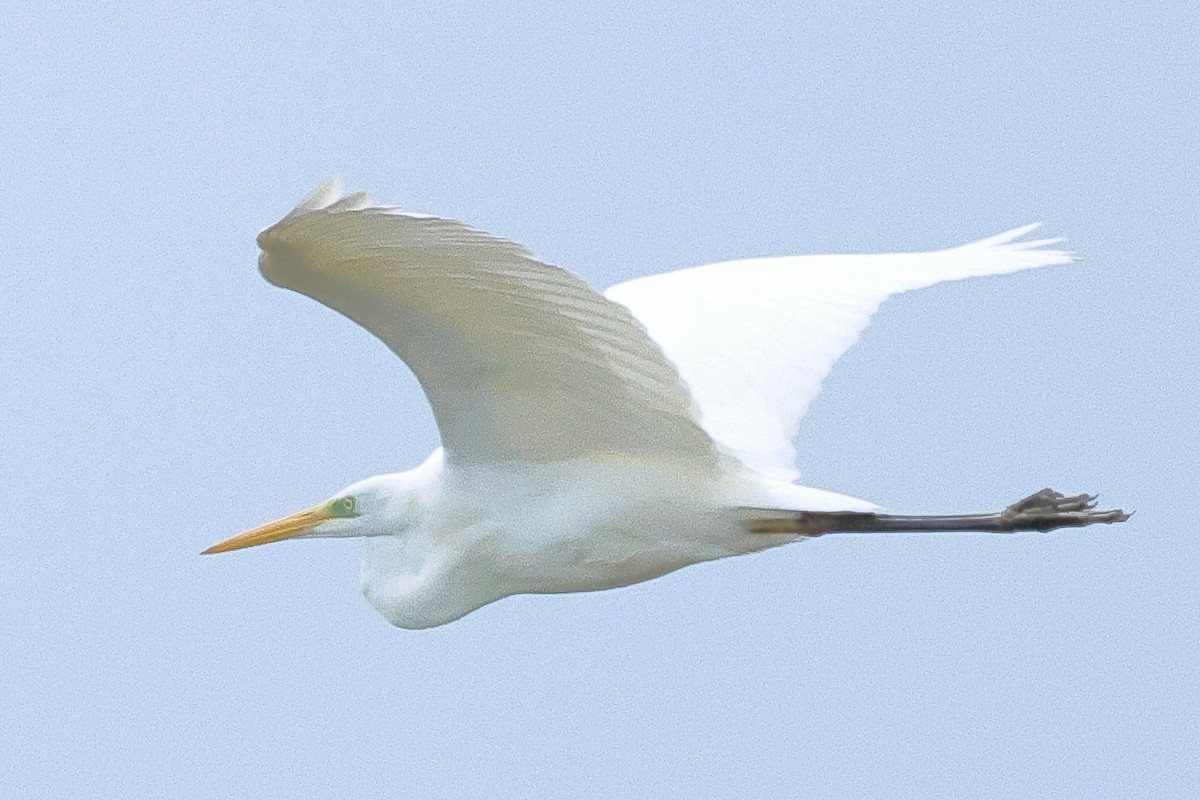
x=520 y=360
x=754 y=339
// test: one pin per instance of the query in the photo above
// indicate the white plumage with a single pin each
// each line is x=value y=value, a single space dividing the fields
x=754 y=339
x=589 y=440
x=520 y=360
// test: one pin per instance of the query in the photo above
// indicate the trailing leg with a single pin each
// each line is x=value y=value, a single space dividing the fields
x=1043 y=511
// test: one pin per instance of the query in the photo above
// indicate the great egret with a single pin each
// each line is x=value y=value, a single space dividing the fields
x=596 y=440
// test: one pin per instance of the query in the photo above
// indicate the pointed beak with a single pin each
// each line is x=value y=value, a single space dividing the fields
x=276 y=531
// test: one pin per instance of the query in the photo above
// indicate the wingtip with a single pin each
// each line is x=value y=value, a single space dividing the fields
x=324 y=195
x=351 y=202
x=1011 y=244
x=1008 y=237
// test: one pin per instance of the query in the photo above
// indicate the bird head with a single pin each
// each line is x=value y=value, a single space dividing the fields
x=373 y=507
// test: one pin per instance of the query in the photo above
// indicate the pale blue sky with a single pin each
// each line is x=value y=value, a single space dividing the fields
x=158 y=395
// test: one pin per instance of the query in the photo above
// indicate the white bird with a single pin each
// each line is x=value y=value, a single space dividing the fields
x=592 y=440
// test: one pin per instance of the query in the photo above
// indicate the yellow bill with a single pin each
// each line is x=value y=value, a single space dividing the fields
x=276 y=531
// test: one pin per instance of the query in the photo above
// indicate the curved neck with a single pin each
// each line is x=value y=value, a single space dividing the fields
x=414 y=587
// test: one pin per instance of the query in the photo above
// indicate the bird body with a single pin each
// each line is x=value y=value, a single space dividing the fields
x=464 y=536
x=593 y=441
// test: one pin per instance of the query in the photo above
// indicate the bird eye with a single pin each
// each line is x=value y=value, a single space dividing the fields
x=343 y=507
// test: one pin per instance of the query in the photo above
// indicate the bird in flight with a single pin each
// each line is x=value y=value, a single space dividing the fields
x=594 y=440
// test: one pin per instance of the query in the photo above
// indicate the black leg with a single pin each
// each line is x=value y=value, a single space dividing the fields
x=1042 y=511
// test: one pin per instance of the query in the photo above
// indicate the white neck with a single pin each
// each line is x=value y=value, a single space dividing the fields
x=408 y=574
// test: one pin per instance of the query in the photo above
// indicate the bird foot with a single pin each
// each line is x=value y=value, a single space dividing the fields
x=1048 y=509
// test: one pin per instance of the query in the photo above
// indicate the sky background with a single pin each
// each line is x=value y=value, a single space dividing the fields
x=158 y=395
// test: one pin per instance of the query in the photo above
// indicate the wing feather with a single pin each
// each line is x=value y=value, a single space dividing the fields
x=520 y=360
x=754 y=339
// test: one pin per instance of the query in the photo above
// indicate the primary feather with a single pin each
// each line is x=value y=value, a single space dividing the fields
x=519 y=360
x=754 y=339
